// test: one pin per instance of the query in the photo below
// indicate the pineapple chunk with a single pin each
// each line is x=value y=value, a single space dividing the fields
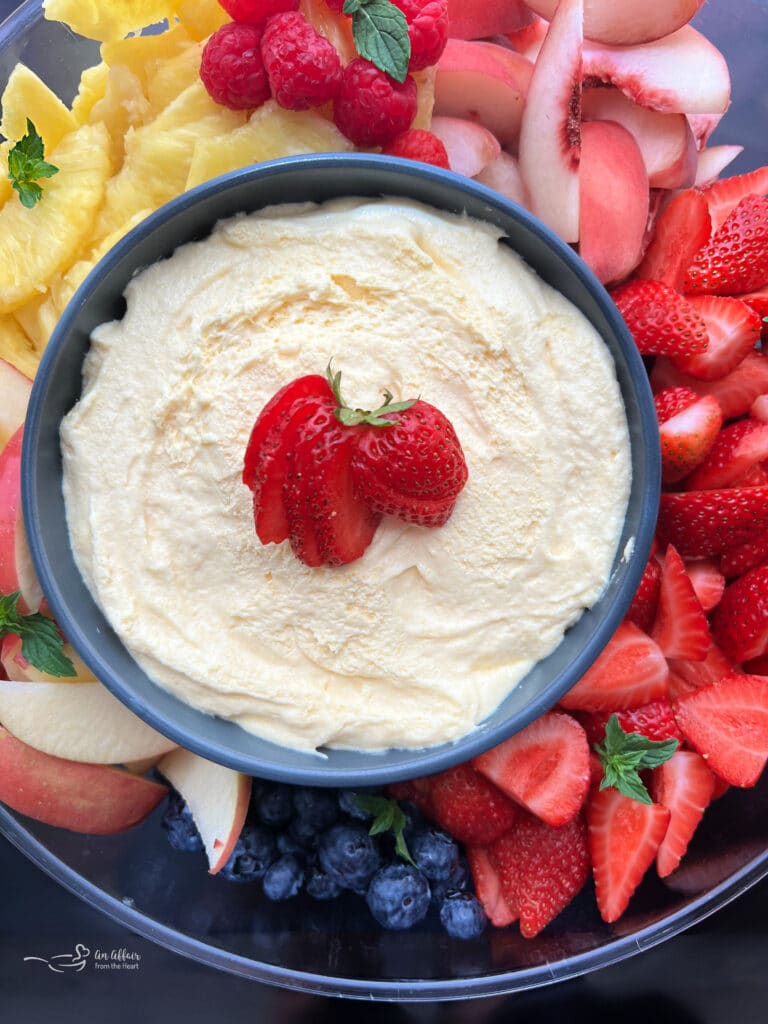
x=336 y=27
x=95 y=19
x=37 y=318
x=35 y=244
x=270 y=133
x=93 y=86
x=143 y=54
x=123 y=106
x=16 y=348
x=425 y=97
x=201 y=18
x=168 y=78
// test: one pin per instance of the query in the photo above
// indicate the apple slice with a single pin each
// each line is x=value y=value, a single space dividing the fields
x=483 y=82
x=503 y=175
x=550 y=128
x=682 y=73
x=18 y=668
x=217 y=797
x=470 y=147
x=712 y=161
x=14 y=396
x=475 y=19
x=614 y=200
x=90 y=798
x=626 y=22
x=16 y=569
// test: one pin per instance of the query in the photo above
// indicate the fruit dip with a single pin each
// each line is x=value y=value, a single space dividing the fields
x=420 y=639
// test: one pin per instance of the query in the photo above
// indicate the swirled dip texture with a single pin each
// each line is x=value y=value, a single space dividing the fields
x=421 y=638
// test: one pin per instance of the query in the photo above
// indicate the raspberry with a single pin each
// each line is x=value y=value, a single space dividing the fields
x=231 y=67
x=371 y=108
x=304 y=69
x=427 y=29
x=255 y=12
x=417 y=144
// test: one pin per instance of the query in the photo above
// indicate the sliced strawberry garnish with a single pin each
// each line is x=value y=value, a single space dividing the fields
x=684 y=785
x=728 y=724
x=642 y=611
x=756 y=666
x=662 y=322
x=759 y=408
x=682 y=229
x=469 y=807
x=655 y=721
x=688 y=427
x=545 y=767
x=687 y=676
x=737 y=449
x=735 y=392
x=703 y=523
x=624 y=836
x=630 y=672
x=488 y=887
x=741 y=558
x=735 y=259
x=733 y=328
x=707 y=581
x=541 y=869
x=724 y=196
x=740 y=621
x=680 y=629
x=759 y=302
x=417 y=791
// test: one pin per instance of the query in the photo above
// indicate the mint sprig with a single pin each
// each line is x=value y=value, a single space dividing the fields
x=41 y=642
x=373 y=418
x=387 y=817
x=27 y=164
x=624 y=755
x=380 y=32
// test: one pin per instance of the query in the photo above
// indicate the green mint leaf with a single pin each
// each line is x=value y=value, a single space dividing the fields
x=41 y=642
x=631 y=786
x=624 y=755
x=380 y=32
x=388 y=817
x=8 y=612
x=26 y=165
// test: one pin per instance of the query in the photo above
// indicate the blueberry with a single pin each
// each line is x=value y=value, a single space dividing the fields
x=274 y=806
x=287 y=844
x=316 y=808
x=284 y=878
x=254 y=851
x=348 y=804
x=457 y=881
x=435 y=853
x=303 y=833
x=180 y=828
x=398 y=896
x=321 y=886
x=462 y=916
x=349 y=855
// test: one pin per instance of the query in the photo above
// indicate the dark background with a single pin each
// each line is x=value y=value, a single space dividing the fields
x=713 y=974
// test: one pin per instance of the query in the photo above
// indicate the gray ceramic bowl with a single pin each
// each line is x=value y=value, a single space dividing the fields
x=57 y=388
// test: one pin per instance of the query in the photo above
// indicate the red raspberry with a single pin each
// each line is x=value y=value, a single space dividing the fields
x=304 y=69
x=254 y=12
x=427 y=29
x=231 y=67
x=371 y=108
x=417 y=144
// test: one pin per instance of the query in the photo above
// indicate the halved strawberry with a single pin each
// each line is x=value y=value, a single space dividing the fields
x=759 y=408
x=688 y=427
x=655 y=721
x=687 y=676
x=541 y=869
x=469 y=807
x=544 y=767
x=703 y=523
x=759 y=302
x=488 y=887
x=631 y=671
x=684 y=785
x=624 y=836
x=680 y=629
x=756 y=666
x=735 y=392
x=740 y=558
x=417 y=791
x=661 y=321
x=738 y=447
x=740 y=621
x=682 y=229
x=728 y=724
x=642 y=611
x=724 y=196
x=735 y=259
x=733 y=328
x=755 y=476
x=707 y=581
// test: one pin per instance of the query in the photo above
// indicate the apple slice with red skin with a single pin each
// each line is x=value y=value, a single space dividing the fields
x=550 y=129
x=90 y=798
x=614 y=200
x=476 y=19
x=469 y=145
x=16 y=570
x=483 y=82
x=14 y=396
x=503 y=175
x=627 y=22
x=712 y=161
x=17 y=667
x=217 y=797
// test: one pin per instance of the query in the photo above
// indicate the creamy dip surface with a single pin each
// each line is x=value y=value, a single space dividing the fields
x=420 y=639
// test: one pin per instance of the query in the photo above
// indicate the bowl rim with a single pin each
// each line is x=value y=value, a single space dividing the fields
x=416 y=761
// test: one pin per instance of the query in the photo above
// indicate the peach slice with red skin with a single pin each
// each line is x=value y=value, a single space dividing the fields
x=16 y=570
x=627 y=22
x=712 y=161
x=528 y=40
x=469 y=145
x=17 y=667
x=503 y=175
x=476 y=19
x=14 y=396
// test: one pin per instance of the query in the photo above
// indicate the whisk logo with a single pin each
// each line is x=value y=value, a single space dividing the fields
x=64 y=963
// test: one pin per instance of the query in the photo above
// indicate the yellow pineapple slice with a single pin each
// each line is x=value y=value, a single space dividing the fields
x=6 y=189
x=270 y=133
x=92 y=87
x=16 y=348
x=142 y=54
x=37 y=318
x=96 y=19
x=336 y=27
x=167 y=79
x=123 y=106
x=201 y=17
x=37 y=243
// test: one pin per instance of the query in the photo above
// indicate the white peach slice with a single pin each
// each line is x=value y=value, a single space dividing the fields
x=17 y=667
x=527 y=40
x=702 y=126
x=483 y=82
x=550 y=128
x=16 y=569
x=90 y=798
x=217 y=797
x=503 y=175
x=614 y=200
x=665 y=140
x=627 y=22
x=469 y=145
x=476 y=19
x=14 y=396
x=682 y=73
x=712 y=161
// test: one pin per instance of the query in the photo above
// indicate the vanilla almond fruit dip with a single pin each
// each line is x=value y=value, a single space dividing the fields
x=420 y=639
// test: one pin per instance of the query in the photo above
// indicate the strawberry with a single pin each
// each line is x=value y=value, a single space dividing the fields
x=741 y=558
x=756 y=666
x=624 y=836
x=642 y=611
x=759 y=302
x=630 y=671
x=733 y=329
x=703 y=523
x=728 y=724
x=735 y=259
x=724 y=196
x=686 y=676
x=740 y=621
x=544 y=767
x=661 y=321
x=655 y=721
x=488 y=887
x=469 y=807
x=680 y=628
x=417 y=791
x=755 y=476
x=738 y=448
x=759 y=408
x=683 y=227
x=707 y=581
x=688 y=426
x=684 y=785
x=735 y=392
x=541 y=869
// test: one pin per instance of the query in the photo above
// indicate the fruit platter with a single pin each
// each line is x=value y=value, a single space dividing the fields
x=633 y=808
